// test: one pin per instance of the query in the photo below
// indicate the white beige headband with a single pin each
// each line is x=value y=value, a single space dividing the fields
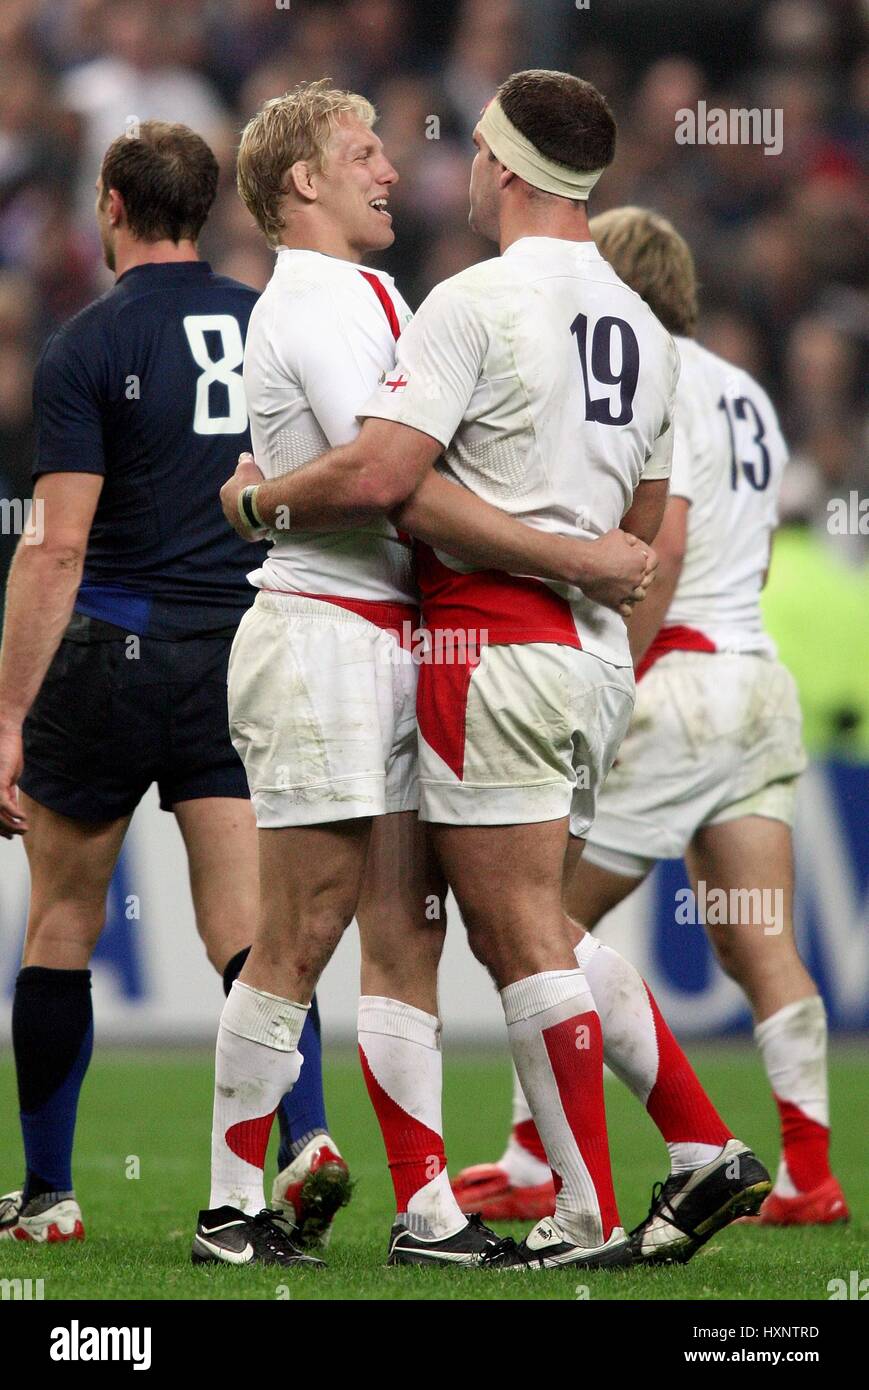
x=519 y=155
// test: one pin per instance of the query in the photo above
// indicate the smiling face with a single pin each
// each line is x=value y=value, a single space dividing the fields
x=484 y=192
x=353 y=187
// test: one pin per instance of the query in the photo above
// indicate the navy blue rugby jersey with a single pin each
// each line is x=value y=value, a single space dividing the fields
x=144 y=387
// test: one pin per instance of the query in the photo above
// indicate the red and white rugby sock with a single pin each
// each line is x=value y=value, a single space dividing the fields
x=640 y=1048
x=793 y=1044
x=400 y=1052
x=257 y=1063
x=555 y=1037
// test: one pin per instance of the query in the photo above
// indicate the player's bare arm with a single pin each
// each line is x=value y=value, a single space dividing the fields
x=389 y=468
x=31 y=636
x=356 y=482
x=646 y=512
x=615 y=570
x=670 y=547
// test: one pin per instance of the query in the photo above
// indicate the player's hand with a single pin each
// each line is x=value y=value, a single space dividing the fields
x=620 y=570
x=246 y=475
x=12 y=822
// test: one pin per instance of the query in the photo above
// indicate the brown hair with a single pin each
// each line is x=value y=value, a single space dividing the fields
x=167 y=177
x=296 y=126
x=647 y=252
x=566 y=119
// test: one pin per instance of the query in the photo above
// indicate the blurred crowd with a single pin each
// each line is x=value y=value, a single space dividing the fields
x=780 y=239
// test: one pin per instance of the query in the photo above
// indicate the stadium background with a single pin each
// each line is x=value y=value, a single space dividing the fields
x=782 y=258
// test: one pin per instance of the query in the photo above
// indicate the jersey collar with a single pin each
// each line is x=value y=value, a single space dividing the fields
x=179 y=268
x=552 y=245
x=338 y=261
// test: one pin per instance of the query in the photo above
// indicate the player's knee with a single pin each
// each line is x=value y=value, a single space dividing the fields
x=482 y=942
x=61 y=927
x=324 y=923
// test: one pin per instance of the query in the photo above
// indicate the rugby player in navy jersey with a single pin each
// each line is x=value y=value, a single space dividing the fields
x=114 y=659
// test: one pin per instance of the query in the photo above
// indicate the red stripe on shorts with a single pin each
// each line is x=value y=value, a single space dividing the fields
x=401 y=619
x=501 y=609
x=484 y=608
x=674 y=639
x=441 y=707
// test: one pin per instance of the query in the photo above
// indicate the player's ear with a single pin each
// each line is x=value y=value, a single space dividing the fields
x=506 y=176
x=116 y=209
x=301 y=180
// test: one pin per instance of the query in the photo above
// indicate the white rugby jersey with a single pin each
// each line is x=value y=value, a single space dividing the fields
x=728 y=462
x=551 y=385
x=321 y=336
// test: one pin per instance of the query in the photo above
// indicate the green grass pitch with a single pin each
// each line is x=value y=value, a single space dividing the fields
x=155 y=1106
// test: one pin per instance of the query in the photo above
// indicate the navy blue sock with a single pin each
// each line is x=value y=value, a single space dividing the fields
x=53 y=1036
x=302 y=1113
x=233 y=969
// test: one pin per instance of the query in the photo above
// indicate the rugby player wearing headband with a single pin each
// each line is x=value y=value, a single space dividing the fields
x=707 y=771
x=549 y=387
x=322 y=693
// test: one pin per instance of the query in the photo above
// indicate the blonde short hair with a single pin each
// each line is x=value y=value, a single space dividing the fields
x=296 y=126
x=647 y=252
